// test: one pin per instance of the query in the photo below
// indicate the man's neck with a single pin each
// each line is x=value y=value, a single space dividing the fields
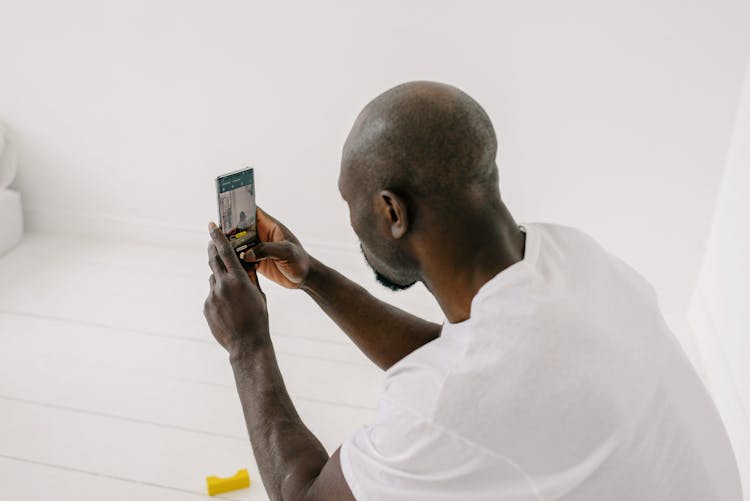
x=456 y=270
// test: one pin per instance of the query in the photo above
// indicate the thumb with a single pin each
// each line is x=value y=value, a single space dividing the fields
x=254 y=279
x=264 y=250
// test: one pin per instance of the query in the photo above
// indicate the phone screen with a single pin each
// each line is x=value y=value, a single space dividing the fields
x=236 y=197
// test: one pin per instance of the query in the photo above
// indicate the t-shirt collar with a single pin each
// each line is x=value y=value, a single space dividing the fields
x=531 y=250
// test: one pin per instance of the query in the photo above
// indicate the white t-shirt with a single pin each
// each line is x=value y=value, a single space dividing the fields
x=564 y=384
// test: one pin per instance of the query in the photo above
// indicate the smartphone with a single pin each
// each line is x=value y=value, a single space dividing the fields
x=235 y=194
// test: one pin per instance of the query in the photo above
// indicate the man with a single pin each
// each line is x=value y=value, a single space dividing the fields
x=553 y=375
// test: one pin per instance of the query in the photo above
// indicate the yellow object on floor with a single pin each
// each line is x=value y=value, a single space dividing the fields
x=217 y=485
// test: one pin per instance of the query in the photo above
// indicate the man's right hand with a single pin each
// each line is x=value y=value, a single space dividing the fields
x=279 y=255
x=383 y=332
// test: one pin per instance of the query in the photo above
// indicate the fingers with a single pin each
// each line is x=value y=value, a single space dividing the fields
x=263 y=218
x=225 y=251
x=254 y=278
x=261 y=214
x=277 y=250
x=249 y=256
x=214 y=261
x=270 y=229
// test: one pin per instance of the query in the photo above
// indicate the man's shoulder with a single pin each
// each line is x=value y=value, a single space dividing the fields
x=576 y=250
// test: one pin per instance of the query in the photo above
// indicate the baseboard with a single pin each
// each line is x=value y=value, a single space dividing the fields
x=158 y=233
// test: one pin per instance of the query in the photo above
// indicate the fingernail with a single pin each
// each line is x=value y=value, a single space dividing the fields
x=211 y=226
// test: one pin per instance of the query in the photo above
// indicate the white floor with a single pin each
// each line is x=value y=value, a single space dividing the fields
x=112 y=387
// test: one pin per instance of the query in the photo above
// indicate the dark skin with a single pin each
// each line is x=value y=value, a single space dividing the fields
x=485 y=240
x=292 y=462
x=383 y=332
x=490 y=241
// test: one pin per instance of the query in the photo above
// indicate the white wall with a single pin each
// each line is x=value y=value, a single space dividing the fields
x=613 y=116
x=719 y=308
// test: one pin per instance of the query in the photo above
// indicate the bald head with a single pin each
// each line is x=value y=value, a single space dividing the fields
x=424 y=139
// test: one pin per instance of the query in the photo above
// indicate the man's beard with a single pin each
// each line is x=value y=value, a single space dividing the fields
x=382 y=279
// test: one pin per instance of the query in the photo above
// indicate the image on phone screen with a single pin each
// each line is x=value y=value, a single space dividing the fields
x=236 y=197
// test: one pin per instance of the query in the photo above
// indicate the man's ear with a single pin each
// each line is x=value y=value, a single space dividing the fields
x=394 y=209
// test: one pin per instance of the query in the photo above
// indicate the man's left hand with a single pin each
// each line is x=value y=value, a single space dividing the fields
x=236 y=306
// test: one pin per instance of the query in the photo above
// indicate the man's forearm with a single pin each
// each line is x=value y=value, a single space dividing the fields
x=288 y=455
x=383 y=332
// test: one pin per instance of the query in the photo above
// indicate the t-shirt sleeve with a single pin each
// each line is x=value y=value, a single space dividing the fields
x=402 y=456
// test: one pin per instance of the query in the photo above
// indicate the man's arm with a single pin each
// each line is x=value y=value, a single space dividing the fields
x=384 y=333
x=292 y=462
